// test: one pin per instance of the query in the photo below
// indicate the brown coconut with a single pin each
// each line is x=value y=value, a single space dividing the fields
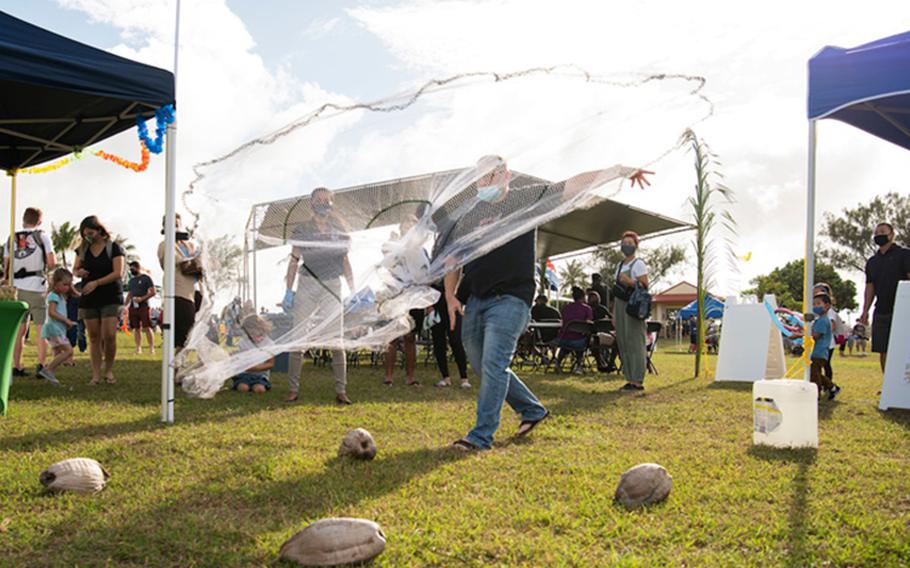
x=357 y=444
x=76 y=474
x=335 y=542
x=643 y=484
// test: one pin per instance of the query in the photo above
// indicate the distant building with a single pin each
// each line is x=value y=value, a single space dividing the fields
x=672 y=299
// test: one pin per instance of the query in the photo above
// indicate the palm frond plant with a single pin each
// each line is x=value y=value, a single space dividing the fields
x=710 y=214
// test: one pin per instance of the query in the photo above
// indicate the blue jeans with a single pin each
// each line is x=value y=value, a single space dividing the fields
x=490 y=331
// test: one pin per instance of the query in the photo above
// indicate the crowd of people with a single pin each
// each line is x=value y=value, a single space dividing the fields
x=84 y=307
x=483 y=312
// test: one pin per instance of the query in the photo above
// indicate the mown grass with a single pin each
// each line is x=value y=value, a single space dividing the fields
x=237 y=475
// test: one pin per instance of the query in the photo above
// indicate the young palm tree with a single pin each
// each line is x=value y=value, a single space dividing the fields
x=572 y=274
x=63 y=238
x=708 y=208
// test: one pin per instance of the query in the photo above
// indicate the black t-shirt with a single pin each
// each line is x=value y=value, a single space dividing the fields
x=99 y=267
x=140 y=285
x=508 y=269
x=602 y=292
x=600 y=311
x=325 y=248
x=541 y=312
x=885 y=271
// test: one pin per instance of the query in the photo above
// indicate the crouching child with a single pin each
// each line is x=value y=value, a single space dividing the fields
x=255 y=334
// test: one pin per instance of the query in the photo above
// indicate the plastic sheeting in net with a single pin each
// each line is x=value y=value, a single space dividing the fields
x=360 y=259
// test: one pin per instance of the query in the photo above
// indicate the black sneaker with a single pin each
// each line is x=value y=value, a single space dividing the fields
x=19 y=372
x=38 y=370
x=833 y=392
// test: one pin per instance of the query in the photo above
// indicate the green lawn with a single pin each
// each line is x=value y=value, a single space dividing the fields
x=237 y=475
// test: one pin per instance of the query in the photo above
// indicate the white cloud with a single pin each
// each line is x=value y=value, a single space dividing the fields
x=754 y=57
x=320 y=28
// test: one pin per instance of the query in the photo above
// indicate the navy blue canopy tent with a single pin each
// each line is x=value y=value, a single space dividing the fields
x=714 y=308
x=867 y=87
x=58 y=96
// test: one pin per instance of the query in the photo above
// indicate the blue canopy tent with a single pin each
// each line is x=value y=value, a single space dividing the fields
x=714 y=308
x=58 y=96
x=867 y=87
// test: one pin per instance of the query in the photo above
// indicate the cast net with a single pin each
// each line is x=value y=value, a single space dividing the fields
x=470 y=163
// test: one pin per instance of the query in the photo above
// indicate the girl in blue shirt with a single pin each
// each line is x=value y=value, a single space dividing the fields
x=57 y=322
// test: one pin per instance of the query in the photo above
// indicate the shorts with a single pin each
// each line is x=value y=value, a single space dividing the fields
x=58 y=341
x=184 y=318
x=37 y=305
x=881 y=330
x=139 y=317
x=251 y=380
x=104 y=312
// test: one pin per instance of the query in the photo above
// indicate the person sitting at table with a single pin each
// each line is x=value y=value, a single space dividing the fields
x=542 y=311
x=600 y=310
x=573 y=341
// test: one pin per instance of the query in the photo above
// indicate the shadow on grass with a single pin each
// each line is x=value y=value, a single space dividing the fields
x=798 y=554
x=573 y=399
x=731 y=385
x=898 y=416
x=215 y=523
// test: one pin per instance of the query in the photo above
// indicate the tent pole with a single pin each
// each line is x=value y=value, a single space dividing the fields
x=255 y=272
x=170 y=198
x=12 y=225
x=809 y=272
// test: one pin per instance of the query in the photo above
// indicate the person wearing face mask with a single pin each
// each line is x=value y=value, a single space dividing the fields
x=99 y=262
x=141 y=288
x=823 y=334
x=630 y=331
x=837 y=324
x=888 y=266
x=317 y=263
x=186 y=276
x=499 y=287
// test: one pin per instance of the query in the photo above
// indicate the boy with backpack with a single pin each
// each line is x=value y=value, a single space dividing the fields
x=32 y=258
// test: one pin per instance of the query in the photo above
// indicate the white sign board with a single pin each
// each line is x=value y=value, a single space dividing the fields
x=751 y=348
x=896 y=386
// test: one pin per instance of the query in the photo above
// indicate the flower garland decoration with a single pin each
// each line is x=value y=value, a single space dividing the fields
x=163 y=117
x=77 y=155
x=140 y=167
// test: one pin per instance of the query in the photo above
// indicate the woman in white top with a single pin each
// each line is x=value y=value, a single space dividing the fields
x=630 y=331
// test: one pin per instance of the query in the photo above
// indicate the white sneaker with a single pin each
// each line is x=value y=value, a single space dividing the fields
x=466 y=384
x=49 y=376
x=444 y=383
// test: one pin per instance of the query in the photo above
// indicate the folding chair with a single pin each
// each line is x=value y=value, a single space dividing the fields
x=586 y=328
x=654 y=328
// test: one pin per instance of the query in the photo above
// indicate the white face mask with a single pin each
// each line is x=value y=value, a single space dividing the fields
x=489 y=193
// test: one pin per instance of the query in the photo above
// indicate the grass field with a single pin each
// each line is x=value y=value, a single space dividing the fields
x=237 y=475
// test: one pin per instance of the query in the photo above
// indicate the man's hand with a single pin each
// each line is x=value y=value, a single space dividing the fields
x=455 y=308
x=864 y=318
x=89 y=287
x=639 y=178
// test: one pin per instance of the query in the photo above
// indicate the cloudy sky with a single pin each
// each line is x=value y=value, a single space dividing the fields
x=248 y=67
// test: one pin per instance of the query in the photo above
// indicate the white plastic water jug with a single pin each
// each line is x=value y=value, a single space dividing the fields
x=785 y=413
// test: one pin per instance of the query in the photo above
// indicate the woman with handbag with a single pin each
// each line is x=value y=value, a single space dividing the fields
x=188 y=273
x=631 y=275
